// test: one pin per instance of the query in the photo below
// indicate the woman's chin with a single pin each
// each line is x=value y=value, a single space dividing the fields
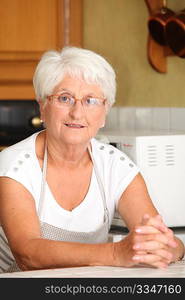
x=76 y=139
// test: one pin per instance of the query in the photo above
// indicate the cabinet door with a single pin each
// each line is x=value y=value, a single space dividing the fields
x=27 y=29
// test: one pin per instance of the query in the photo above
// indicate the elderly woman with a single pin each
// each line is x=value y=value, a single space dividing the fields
x=59 y=188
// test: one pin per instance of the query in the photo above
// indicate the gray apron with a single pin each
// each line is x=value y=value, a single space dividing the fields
x=100 y=235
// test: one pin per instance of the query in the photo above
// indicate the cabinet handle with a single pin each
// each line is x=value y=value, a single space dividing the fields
x=36 y=122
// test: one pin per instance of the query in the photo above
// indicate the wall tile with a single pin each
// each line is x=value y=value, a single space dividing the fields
x=177 y=118
x=112 y=120
x=127 y=117
x=160 y=118
x=143 y=118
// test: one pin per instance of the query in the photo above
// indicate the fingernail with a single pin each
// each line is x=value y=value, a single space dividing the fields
x=138 y=230
x=136 y=257
x=136 y=246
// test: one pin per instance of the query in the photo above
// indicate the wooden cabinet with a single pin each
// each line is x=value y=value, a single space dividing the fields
x=27 y=29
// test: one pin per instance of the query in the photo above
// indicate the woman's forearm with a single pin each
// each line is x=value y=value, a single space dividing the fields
x=46 y=254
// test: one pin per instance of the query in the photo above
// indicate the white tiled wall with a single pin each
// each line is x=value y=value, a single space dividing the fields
x=177 y=118
x=147 y=118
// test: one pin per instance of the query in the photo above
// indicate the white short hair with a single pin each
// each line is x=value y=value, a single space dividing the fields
x=77 y=62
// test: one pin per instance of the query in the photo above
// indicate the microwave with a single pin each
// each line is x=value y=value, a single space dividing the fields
x=161 y=159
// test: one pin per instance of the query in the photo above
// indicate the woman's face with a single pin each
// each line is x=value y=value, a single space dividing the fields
x=75 y=124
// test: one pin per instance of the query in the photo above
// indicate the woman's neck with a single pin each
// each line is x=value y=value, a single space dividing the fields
x=66 y=155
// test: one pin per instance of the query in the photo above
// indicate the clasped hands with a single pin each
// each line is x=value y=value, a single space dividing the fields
x=151 y=243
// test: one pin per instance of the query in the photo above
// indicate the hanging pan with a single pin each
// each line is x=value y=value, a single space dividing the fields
x=157 y=23
x=175 y=33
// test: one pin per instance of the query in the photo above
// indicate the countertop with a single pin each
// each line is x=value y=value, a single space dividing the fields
x=175 y=270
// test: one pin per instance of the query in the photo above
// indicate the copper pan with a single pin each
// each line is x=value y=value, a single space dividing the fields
x=175 y=33
x=157 y=23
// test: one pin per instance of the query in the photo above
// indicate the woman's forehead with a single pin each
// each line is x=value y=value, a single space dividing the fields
x=73 y=83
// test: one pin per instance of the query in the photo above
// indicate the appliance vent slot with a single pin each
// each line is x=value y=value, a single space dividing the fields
x=169 y=155
x=152 y=155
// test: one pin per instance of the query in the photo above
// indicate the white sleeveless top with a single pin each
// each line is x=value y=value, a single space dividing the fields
x=90 y=221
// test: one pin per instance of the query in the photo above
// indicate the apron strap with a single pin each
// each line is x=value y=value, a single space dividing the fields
x=42 y=192
x=101 y=187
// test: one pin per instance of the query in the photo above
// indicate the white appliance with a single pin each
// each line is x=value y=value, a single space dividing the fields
x=161 y=158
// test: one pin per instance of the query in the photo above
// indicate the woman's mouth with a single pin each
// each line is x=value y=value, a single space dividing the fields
x=74 y=125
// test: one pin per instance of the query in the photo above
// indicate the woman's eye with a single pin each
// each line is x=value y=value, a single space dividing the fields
x=63 y=98
x=92 y=101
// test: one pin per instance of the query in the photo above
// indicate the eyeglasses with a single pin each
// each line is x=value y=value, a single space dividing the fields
x=67 y=100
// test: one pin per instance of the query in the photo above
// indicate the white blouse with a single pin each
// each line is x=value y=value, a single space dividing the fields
x=116 y=170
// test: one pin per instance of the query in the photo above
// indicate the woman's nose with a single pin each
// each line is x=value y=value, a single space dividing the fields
x=77 y=110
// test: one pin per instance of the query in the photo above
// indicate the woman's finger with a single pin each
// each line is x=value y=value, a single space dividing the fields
x=164 y=254
x=153 y=237
x=151 y=233
x=147 y=229
x=148 y=245
x=155 y=221
x=150 y=259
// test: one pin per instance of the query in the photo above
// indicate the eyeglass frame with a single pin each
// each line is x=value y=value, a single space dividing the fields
x=51 y=97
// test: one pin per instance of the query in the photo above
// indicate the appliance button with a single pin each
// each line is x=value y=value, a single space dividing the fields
x=111 y=152
x=102 y=147
x=27 y=155
x=20 y=162
x=131 y=165
x=15 y=169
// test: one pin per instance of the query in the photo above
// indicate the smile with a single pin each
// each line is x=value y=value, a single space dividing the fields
x=71 y=125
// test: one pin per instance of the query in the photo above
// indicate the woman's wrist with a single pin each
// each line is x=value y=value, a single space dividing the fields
x=101 y=255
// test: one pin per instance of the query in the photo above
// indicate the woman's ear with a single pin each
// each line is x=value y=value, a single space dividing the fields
x=41 y=106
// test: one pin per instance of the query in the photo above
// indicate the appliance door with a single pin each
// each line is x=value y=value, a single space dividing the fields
x=18 y=120
x=162 y=164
